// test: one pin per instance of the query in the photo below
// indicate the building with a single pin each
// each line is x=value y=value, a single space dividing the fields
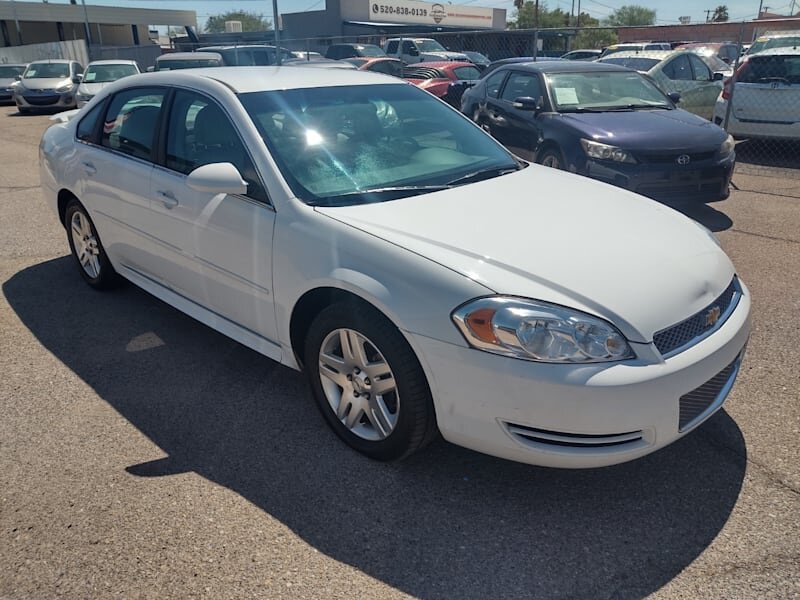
x=728 y=31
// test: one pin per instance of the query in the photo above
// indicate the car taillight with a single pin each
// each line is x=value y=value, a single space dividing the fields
x=726 y=85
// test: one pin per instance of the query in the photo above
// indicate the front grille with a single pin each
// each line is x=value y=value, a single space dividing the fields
x=565 y=440
x=669 y=341
x=669 y=192
x=697 y=402
x=41 y=100
x=672 y=157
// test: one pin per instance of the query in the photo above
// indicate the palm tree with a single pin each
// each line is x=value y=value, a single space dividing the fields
x=720 y=14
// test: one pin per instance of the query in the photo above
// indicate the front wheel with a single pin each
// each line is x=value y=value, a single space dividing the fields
x=552 y=157
x=368 y=383
x=86 y=248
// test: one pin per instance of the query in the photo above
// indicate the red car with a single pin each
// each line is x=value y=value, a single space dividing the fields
x=381 y=64
x=438 y=78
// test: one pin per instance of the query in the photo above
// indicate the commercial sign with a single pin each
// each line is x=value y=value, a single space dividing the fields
x=427 y=13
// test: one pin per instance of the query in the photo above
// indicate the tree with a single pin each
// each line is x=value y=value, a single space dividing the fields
x=720 y=14
x=526 y=17
x=593 y=38
x=631 y=15
x=250 y=21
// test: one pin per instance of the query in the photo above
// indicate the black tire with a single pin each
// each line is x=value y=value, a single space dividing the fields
x=106 y=277
x=415 y=418
x=23 y=111
x=552 y=157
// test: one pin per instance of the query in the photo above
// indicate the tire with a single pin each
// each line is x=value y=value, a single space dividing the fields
x=352 y=351
x=552 y=157
x=88 y=252
x=23 y=111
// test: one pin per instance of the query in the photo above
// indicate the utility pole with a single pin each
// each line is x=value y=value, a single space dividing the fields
x=578 y=22
x=86 y=25
x=16 y=21
x=276 y=26
x=708 y=12
x=760 y=6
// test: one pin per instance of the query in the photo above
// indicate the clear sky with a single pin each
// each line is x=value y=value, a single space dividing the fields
x=667 y=11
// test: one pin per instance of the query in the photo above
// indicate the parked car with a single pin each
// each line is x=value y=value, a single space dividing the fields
x=727 y=52
x=100 y=73
x=188 y=60
x=515 y=60
x=476 y=58
x=336 y=222
x=582 y=55
x=318 y=63
x=387 y=66
x=248 y=55
x=9 y=76
x=339 y=51
x=766 y=96
x=634 y=47
x=776 y=39
x=48 y=84
x=604 y=122
x=306 y=55
x=440 y=79
x=414 y=50
x=697 y=78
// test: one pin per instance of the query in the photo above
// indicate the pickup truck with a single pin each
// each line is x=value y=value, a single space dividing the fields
x=414 y=50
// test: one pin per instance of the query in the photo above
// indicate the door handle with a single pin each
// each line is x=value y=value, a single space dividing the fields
x=89 y=168
x=167 y=198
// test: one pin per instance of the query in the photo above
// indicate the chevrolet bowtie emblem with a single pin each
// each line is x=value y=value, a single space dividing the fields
x=712 y=316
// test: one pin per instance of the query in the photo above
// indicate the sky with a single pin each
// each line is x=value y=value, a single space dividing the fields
x=667 y=11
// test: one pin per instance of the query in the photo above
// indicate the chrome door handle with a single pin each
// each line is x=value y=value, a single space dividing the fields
x=168 y=199
x=89 y=168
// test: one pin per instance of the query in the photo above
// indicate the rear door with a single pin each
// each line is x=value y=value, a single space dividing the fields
x=517 y=130
x=768 y=90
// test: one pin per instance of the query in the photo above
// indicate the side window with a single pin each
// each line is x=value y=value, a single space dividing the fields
x=260 y=56
x=392 y=47
x=493 y=84
x=408 y=46
x=701 y=70
x=131 y=121
x=88 y=124
x=521 y=85
x=200 y=133
x=678 y=69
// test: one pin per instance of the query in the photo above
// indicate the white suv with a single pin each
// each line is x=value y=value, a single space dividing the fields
x=414 y=50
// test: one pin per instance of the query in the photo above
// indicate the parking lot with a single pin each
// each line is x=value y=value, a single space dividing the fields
x=144 y=455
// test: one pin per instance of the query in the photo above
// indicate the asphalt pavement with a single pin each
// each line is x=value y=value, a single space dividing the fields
x=145 y=455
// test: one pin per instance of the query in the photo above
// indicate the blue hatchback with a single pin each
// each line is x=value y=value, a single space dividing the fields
x=606 y=122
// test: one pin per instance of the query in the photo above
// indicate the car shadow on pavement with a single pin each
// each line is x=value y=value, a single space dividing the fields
x=447 y=523
x=706 y=215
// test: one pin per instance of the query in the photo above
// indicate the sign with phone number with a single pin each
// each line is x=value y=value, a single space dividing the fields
x=425 y=13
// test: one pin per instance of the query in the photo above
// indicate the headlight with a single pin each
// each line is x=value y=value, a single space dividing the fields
x=539 y=331
x=606 y=152
x=727 y=146
x=67 y=87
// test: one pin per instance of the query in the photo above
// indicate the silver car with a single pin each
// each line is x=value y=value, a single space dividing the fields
x=9 y=75
x=48 y=84
x=100 y=73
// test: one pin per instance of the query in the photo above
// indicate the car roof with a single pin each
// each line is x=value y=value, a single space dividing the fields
x=656 y=54
x=777 y=34
x=61 y=61
x=189 y=56
x=242 y=80
x=112 y=62
x=441 y=64
x=595 y=50
x=785 y=51
x=566 y=66
x=231 y=47
x=14 y=64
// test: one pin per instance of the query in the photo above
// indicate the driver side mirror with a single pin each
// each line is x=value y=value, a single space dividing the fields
x=527 y=103
x=78 y=78
x=413 y=52
x=718 y=76
x=18 y=77
x=217 y=178
x=674 y=96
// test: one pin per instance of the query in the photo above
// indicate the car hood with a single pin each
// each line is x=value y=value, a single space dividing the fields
x=91 y=89
x=45 y=83
x=553 y=236
x=659 y=130
x=7 y=82
x=446 y=55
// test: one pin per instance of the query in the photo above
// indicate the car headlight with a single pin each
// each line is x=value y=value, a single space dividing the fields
x=605 y=152
x=727 y=146
x=67 y=87
x=539 y=331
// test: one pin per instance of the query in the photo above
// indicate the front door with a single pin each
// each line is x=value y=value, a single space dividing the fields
x=516 y=129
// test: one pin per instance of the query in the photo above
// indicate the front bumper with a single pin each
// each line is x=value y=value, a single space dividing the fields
x=704 y=180
x=6 y=95
x=581 y=416
x=45 y=100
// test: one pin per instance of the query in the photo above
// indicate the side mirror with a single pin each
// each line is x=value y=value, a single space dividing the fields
x=150 y=69
x=718 y=76
x=77 y=79
x=18 y=77
x=413 y=52
x=674 y=96
x=217 y=178
x=527 y=103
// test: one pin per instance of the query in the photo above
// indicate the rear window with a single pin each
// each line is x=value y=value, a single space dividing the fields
x=637 y=64
x=468 y=73
x=423 y=73
x=776 y=42
x=171 y=65
x=769 y=69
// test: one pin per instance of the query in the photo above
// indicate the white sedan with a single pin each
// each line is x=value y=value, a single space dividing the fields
x=355 y=227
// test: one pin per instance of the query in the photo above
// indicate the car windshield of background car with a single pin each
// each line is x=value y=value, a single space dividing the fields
x=632 y=62
x=576 y=92
x=106 y=73
x=358 y=144
x=47 y=71
x=373 y=51
x=7 y=72
x=776 y=42
x=430 y=46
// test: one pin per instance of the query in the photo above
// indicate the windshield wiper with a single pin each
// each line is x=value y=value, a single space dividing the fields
x=483 y=174
x=661 y=106
x=376 y=194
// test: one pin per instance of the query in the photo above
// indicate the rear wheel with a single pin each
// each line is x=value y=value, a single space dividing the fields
x=86 y=248
x=23 y=111
x=368 y=383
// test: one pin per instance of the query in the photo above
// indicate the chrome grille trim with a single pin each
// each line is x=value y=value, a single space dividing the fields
x=701 y=402
x=566 y=440
x=677 y=338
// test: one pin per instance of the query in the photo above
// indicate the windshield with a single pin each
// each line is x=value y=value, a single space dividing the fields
x=47 y=71
x=776 y=42
x=615 y=49
x=7 y=72
x=351 y=145
x=430 y=46
x=576 y=92
x=370 y=51
x=106 y=73
x=171 y=65
x=633 y=62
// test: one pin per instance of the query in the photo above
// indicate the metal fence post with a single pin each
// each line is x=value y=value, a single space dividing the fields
x=732 y=84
